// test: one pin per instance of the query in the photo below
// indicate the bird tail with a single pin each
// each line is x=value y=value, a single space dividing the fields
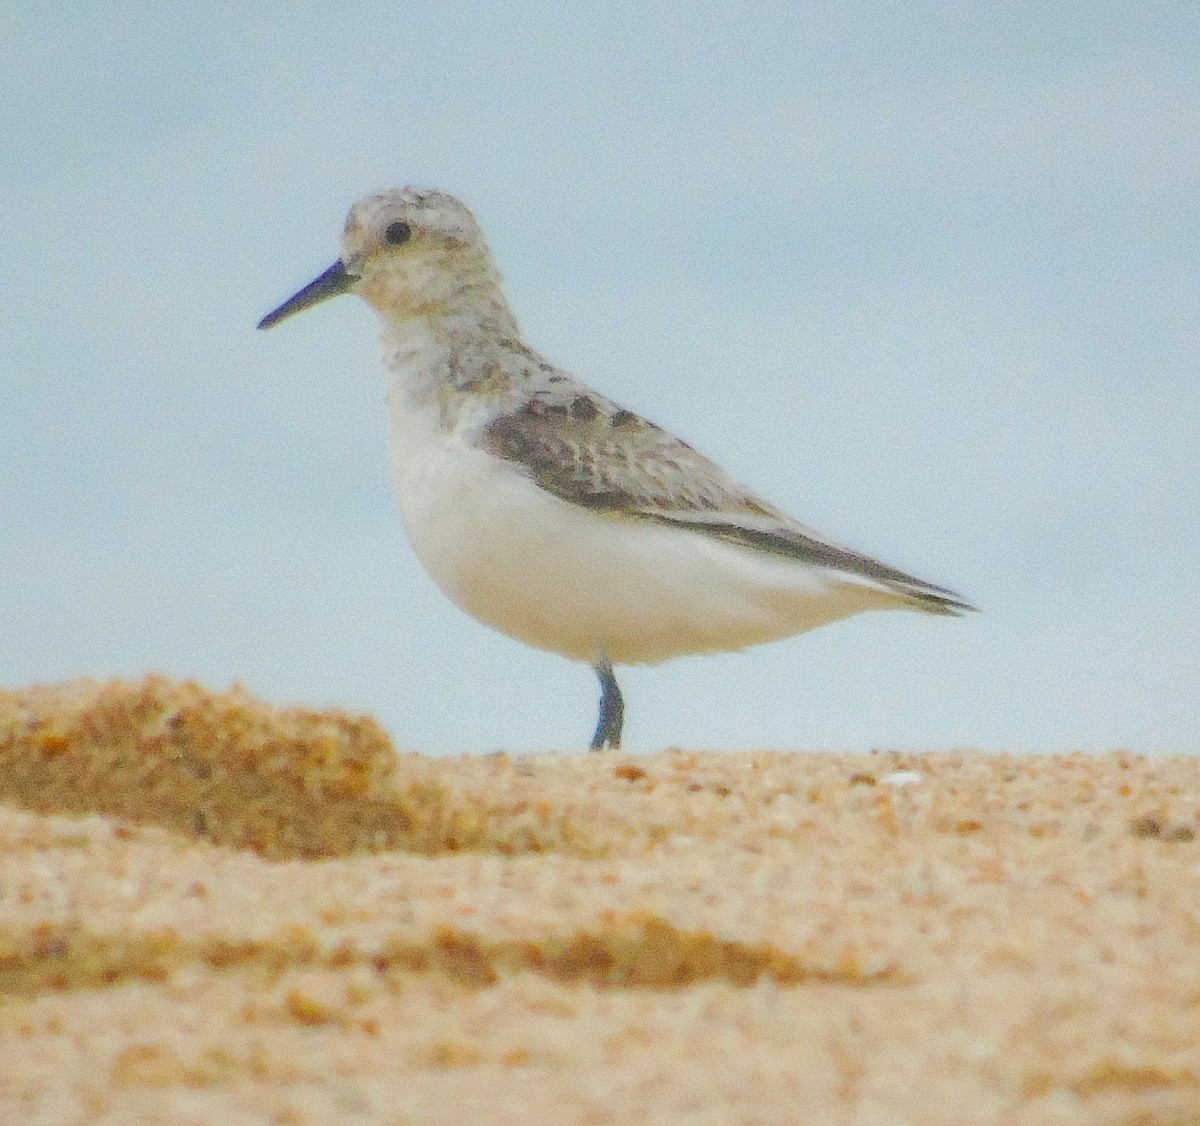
x=931 y=599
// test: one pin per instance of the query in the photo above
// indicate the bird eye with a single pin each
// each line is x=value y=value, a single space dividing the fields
x=396 y=233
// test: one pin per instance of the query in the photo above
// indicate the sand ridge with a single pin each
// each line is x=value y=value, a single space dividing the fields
x=216 y=911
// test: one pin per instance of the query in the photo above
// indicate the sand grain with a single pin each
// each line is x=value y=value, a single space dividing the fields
x=215 y=911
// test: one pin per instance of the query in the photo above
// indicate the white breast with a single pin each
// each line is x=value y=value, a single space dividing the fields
x=575 y=582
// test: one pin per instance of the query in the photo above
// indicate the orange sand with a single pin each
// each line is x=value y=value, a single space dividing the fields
x=215 y=912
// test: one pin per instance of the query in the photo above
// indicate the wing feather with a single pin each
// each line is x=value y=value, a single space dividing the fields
x=584 y=449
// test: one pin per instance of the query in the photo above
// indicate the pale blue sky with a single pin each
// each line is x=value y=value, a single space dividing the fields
x=925 y=275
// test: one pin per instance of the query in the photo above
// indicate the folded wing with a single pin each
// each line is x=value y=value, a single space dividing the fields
x=584 y=449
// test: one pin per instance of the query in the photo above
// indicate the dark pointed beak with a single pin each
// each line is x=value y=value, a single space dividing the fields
x=333 y=281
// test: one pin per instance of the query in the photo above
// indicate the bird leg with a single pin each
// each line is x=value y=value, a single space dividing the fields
x=612 y=708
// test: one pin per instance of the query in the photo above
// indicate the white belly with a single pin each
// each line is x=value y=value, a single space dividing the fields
x=562 y=578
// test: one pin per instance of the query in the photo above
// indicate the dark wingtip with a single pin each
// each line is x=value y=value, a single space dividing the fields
x=938 y=600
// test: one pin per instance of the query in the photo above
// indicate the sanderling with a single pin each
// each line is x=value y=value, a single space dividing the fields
x=547 y=511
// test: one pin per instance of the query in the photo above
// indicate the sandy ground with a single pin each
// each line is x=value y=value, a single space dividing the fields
x=215 y=912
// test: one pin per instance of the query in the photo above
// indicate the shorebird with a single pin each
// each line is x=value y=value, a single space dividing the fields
x=547 y=511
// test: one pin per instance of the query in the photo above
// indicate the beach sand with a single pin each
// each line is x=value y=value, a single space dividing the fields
x=213 y=911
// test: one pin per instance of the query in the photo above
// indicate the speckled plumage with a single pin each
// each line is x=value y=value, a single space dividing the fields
x=545 y=509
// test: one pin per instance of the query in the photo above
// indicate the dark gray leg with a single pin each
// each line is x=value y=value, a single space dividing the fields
x=612 y=709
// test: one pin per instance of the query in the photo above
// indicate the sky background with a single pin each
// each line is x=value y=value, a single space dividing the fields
x=923 y=274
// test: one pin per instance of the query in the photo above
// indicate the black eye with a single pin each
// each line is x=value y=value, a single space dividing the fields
x=396 y=233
